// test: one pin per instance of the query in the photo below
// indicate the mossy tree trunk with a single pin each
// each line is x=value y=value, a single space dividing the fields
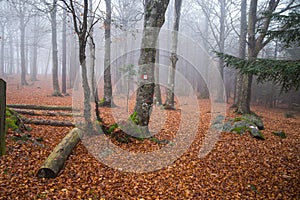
x=154 y=18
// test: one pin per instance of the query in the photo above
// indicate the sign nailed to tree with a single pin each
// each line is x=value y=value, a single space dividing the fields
x=144 y=76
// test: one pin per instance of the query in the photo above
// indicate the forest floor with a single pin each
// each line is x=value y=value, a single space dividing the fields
x=238 y=167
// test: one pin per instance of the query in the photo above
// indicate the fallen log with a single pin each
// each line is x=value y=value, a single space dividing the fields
x=55 y=161
x=47 y=122
x=40 y=113
x=39 y=107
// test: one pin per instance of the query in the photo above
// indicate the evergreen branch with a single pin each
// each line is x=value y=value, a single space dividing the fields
x=285 y=73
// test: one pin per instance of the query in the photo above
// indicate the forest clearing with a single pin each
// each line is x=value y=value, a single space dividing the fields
x=238 y=167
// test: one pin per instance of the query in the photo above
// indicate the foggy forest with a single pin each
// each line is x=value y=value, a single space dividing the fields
x=152 y=99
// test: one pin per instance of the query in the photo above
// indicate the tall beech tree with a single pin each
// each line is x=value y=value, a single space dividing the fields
x=173 y=58
x=108 y=101
x=80 y=22
x=242 y=49
x=157 y=91
x=23 y=11
x=92 y=53
x=53 y=11
x=64 y=54
x=154 y=18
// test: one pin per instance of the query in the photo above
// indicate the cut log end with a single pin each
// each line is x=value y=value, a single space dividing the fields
x=46 y=173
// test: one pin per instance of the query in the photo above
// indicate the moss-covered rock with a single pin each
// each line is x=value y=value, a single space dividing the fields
x=254 y=119
x=247 y=123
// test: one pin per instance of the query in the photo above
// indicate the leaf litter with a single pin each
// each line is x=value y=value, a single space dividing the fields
x=238 y=167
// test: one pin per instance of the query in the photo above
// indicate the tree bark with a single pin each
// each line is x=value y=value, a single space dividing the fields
x=33 y=71
x=55 y=161
x=22 y=48
x=245 y=92
x=171 y=78
x=157 y=90
x=107 y=72
x=93 y=86
x=82 y=59
x=154 y=18
x=242 y=51
x=56 y=90
x=73 y=59
x=11 y=55
x=64 y=54
x=2 y=116
x=254 y=47
x=2 y=51
x=220 y=92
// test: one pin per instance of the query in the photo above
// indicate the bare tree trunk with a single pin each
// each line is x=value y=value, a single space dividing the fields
x=94 y=93
x=154 y=18
x=22 y=49
x=242 y=51
x=82 y=31
x=33 y=71
x=254 y=47
x=2 y=52
x=171 y=78
x=18 y=52
x=73 y=60
x=64 y=54
x=220 y=92
x=107 y=72
x=85 y=83
x=56 y=90
x=205 y=91
x=245 y=92
x=157 y=90
x=2 y=116
x=11 y=54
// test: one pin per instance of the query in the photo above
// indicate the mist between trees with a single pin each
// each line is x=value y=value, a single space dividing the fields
x=39 y=38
